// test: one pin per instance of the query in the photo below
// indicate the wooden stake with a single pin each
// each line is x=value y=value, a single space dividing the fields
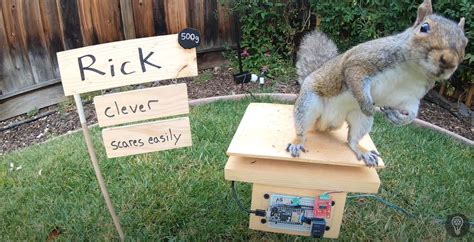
x=98 y=174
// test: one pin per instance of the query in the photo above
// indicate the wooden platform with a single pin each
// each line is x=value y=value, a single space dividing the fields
x=266 y=130
x=257 y=155
x=302 y=175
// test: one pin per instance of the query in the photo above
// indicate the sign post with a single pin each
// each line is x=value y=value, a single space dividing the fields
x=125 y=63
x=95 y=164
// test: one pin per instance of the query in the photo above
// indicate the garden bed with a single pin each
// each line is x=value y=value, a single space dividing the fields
x=211 y=82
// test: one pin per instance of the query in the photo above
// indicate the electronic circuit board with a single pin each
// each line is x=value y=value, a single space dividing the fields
x=322 y=205
x=289 y=212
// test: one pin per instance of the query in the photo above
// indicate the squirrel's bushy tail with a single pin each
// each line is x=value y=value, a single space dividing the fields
x=315 y=49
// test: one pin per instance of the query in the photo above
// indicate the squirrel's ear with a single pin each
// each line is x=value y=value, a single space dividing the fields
x=424 y=10
x=461 y=23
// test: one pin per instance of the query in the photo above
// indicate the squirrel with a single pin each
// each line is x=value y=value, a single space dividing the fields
x=389 y=74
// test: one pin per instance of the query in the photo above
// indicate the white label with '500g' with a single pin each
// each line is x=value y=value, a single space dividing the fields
x=189 y=38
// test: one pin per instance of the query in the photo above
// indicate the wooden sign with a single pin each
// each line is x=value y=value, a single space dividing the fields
x=125 y=63
x=137 y=105
x=148 y=137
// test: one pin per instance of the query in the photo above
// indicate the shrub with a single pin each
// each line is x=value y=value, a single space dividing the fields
x=268 y=30
x=270 y=27
x=352 y=22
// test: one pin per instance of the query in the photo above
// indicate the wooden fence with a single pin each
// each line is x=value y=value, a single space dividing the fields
x=32 y=31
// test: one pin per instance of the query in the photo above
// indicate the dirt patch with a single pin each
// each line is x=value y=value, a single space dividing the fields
x=60 y=122
x=439 y=116
x=211 y=82
x=219 y=82
x=54 y=234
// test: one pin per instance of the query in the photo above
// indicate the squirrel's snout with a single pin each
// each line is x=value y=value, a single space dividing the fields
x=447 y=61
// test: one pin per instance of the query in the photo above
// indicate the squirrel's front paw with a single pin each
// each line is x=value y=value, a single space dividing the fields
x=370 y=158
x=396 y=116
x=368 y=109
x=295 y=149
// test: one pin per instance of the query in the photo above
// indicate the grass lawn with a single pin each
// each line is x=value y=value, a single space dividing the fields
x=182 y=194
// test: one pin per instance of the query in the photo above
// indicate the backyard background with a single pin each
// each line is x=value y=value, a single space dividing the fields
x=50 y=187
x=33 y=31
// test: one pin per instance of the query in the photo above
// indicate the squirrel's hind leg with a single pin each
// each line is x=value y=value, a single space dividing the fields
x=359 y=126
x=307 y=110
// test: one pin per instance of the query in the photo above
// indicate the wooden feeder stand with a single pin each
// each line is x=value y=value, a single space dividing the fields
x=292 y=190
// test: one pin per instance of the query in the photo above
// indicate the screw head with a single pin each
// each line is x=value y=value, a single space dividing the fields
x=266 y=196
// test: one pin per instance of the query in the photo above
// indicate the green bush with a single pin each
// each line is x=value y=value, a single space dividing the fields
x=270 y=27
x=268 y=30
x=352 y=22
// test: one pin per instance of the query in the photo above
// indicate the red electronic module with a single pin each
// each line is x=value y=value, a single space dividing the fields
x=322 y=206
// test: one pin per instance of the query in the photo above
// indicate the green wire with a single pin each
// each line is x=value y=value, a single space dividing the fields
x=389 y=204
x=396 y=207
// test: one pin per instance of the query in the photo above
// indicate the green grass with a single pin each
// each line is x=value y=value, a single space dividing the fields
x=203 y=77
x=182 y=194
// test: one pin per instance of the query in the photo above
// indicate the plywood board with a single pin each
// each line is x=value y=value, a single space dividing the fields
x=125 y=63
x=147 y=137
x=144 y=104
x=259 y=202
x=266 y=129
x=302 y=175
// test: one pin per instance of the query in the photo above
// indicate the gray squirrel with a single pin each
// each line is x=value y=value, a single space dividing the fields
x=391 y=74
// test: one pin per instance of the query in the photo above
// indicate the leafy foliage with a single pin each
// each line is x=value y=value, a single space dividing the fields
x=268 y=30
x=270 y=27
x=352 y=22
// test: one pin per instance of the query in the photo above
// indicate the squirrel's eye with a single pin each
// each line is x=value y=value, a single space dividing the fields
x=425 y=28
